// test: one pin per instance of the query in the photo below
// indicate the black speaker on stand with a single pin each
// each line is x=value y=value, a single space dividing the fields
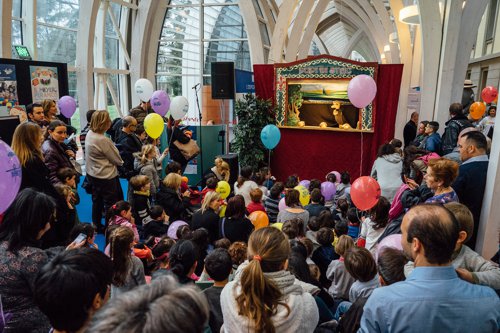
x=222 y=75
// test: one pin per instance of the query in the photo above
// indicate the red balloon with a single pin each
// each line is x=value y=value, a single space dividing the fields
x=365 y=192
x=489 y=94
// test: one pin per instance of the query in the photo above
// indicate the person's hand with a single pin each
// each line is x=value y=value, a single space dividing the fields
x=465 y=275
x=74 y=245
x=411 y=183
x=132 y=220
x=165 y=152
x=70 y=153
x=166 y=218
x=186 y=194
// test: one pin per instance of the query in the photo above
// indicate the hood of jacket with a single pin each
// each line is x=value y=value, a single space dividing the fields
x=393 y=158
x=460 y=119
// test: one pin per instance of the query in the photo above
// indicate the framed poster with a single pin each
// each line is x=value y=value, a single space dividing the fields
x=8 y=85
x=44 y=83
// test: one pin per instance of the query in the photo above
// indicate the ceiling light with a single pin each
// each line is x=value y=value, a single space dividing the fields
x=409 y=15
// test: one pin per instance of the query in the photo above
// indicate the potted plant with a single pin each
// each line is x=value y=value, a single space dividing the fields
x=253 y=114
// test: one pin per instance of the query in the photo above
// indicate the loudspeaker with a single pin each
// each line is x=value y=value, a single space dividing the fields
x=7 y=127
x=222 y=80
x=232 y=160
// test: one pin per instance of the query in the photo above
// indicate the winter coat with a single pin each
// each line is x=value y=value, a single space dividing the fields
x=149 y=168
x=127 y=145
x=453 y=128
x=55 y=158
x=173 y=204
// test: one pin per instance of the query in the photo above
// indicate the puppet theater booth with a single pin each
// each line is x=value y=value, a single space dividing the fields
x=320 y=129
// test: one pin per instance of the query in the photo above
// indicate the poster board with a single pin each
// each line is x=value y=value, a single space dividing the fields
x=319 y=84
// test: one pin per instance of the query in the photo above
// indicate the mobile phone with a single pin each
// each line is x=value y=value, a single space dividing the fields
x=80 y=238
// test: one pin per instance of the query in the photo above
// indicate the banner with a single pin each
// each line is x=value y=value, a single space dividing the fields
x=44 y=83
x=8 y=85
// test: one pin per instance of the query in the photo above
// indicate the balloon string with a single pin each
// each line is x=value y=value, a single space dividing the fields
x=269 y=160
x=361 y=161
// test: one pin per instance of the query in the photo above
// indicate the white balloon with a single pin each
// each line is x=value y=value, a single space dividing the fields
x=179 y=107
x=144 y=89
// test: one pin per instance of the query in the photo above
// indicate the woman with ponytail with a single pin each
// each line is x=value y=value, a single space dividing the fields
x=128 y=270
x=264 y=296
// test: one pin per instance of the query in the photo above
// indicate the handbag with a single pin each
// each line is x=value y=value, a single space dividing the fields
x=189 y=150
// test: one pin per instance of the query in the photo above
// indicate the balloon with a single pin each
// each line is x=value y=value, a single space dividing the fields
x=160 y=102
x=489 y=94
x=477 y=110
x=393 y=241
x=278 y=225
x=153 y=125
x=222 y=211
x=304 y=194
x=67 y=105
x=223 y=189
x=361 y=90
x=179 y=107
x=144 y=89
x=270 y=136
x=10 y=176
x=305 y=183
x=328 y=190
x=172 y=230
x=185 y=179
x=259 y=219
x=282 y=205
x=365 y=192
x=337 y=176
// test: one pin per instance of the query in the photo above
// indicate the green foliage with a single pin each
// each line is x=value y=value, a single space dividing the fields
x=253 y=114
x=295 y=100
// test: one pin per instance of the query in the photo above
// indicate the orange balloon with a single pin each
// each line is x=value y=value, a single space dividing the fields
x=477 y=110
x=259 y=219
x=185 y=179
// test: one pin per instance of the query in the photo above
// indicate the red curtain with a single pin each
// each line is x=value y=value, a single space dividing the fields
x=312 y=154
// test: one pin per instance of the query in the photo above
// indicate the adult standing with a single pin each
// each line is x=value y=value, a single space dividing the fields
x=410 y=130
x=128 y=144
x=488 y=123
x=56 y=154
x=420 y=133
x=432 y=141
x=102 y=159
x=35 y=115
x=434 y=298
x=468 y=96
x=454 y=126
x=387 y=170
x=175 y=133
x=49 y=110
x=471 y=180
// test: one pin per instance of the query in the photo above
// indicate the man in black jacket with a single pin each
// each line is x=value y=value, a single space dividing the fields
x=454 y=126
x=128 y=143
x=410 y=130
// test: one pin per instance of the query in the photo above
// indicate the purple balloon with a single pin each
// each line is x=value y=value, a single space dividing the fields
x=67 y=105
x=361 y=90
x=328 y=190
x=305 y=183
x=172 y=230
x=160 y=102
x=10 y=176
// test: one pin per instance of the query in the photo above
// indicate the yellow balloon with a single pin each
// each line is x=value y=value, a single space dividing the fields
x=304 y=194
x=223 y=189
x=278 y=225
x=222 y=211
x=153 y=125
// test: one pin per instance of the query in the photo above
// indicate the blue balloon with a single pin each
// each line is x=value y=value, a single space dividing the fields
x=270 y=136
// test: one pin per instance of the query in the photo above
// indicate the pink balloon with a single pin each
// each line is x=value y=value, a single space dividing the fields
x=282 y=205
x=10 y=176
x=337 y=176
x=361 y=90
x=67 y=105
x=365 y=192
x=393 y=241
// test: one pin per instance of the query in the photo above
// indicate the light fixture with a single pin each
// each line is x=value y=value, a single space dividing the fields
x=409 y=15
x=382 y=56
x=387 y=48
x=393 y=37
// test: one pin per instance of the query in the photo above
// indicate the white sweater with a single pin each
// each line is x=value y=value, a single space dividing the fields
x=245 y=189
x=101 y=156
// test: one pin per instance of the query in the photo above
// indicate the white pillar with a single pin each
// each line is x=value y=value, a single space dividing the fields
x=280 y=33
x=255 y=43
x=299 y=23
x=6 y=28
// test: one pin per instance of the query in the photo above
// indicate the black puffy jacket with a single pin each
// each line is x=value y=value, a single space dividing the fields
x=453 y=128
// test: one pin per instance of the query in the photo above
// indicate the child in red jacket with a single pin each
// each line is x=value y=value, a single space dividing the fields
x=256 y=204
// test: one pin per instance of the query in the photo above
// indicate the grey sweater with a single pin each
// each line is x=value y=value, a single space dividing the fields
x=101 y=156
x=484 y=272
x=285 y=215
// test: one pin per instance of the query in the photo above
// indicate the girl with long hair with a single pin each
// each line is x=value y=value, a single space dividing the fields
x=145 y=162
x=128 y=270
x=244 y=185
x=208 y=216
x=264 y=296
x=121 y=214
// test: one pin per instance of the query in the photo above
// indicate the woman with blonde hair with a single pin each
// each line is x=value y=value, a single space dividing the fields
x=128 y=270
x=101 y=161
x=145 y=162
x=208 y=216
x=264 y=296
x=220 y=170
x=170 y=198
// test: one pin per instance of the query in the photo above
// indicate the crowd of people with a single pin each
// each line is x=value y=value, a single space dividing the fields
x=184 y=259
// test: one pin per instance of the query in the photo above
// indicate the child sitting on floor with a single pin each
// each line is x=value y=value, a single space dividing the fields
x=140 y=199
x=324 y=255
x=67 y=176
x=315 y=207
x=470 y=266
x=256 y=204
x=158 y=226
x=337 y=273
x=218 y=266
x=121 y=214
x=271 y=204
x=353 y=223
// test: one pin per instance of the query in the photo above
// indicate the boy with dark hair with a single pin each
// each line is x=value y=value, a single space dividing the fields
x=139 y=199
x=72 y=287
x=158 y=226
x=324 y=255
x=218 y=266
x=315 y=207
x=272 y=202
x=353 y=222
x=312 y=228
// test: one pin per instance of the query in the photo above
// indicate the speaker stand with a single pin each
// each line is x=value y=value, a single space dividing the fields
x=223 y=132
x=199 y=132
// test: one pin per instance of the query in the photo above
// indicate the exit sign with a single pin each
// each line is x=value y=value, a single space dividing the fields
x=21 y=52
